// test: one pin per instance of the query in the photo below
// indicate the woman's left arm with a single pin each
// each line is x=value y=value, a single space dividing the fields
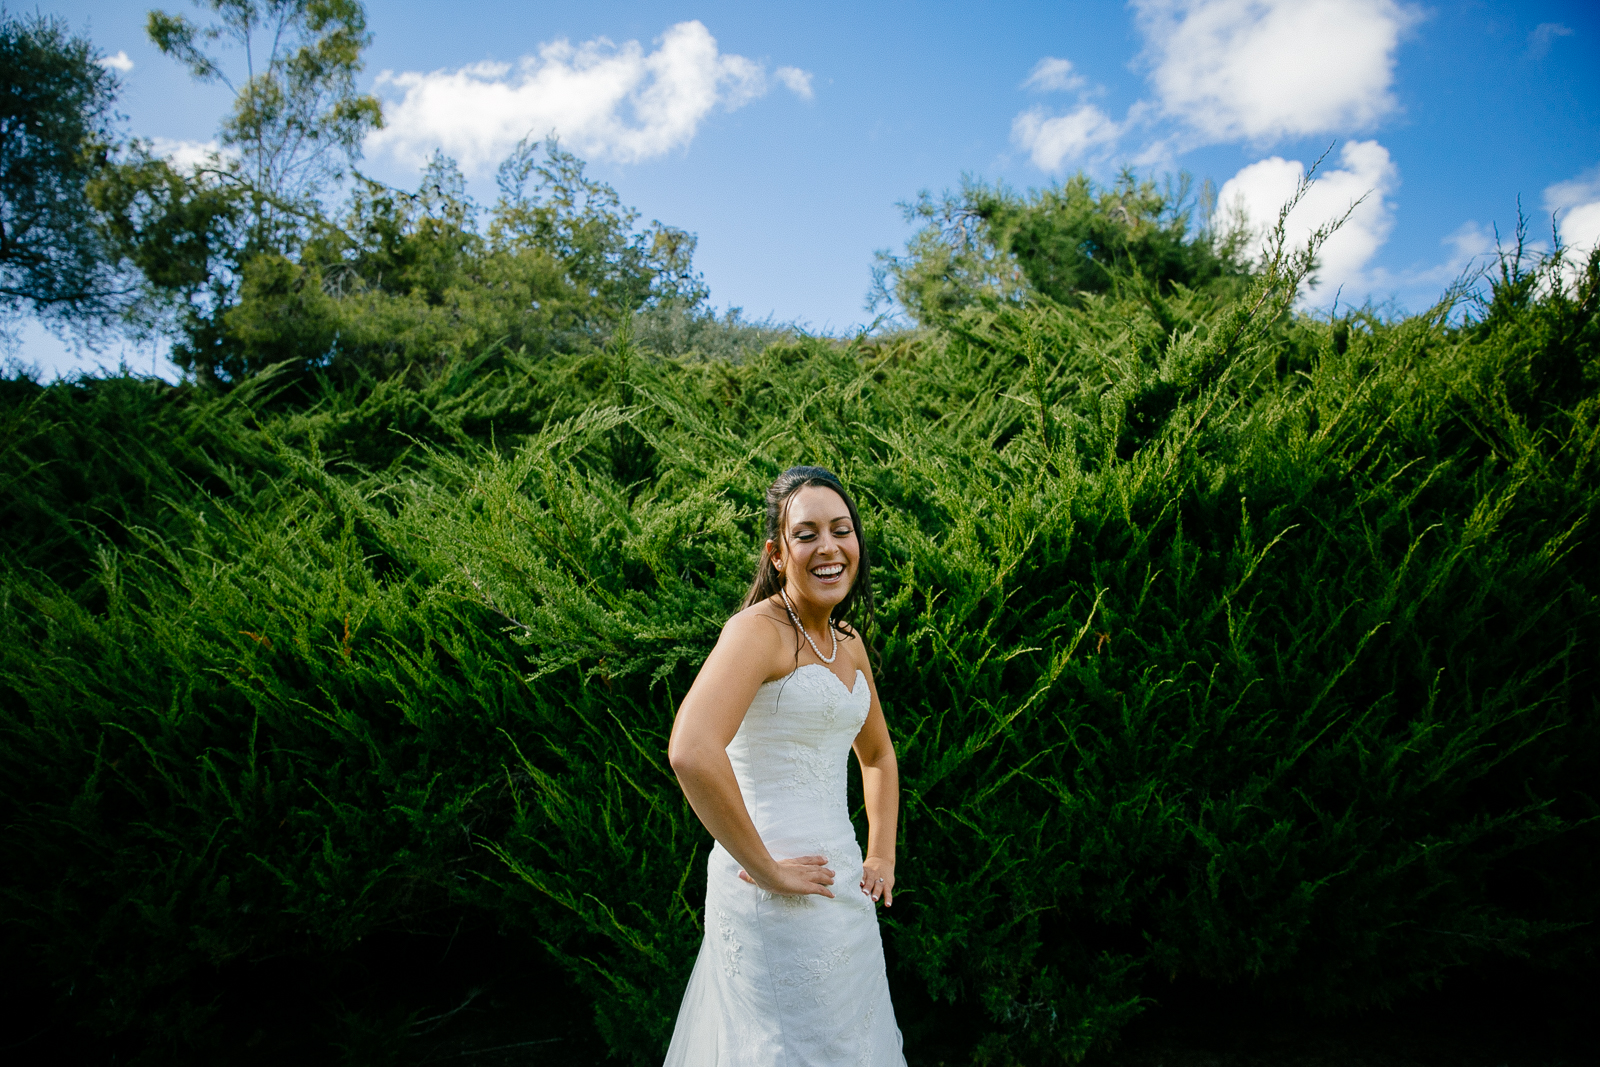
x=880 y=787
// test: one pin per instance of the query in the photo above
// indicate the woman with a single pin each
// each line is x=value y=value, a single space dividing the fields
x=791 y=974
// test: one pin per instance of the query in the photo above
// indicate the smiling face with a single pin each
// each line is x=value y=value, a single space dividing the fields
x=820 y=550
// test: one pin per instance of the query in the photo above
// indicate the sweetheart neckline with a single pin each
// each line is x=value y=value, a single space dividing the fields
x=850 y=689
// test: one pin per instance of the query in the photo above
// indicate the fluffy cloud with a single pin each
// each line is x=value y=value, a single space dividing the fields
x=1232 y=70
x=1261 y=69
x=1260 y=190
x=794 y=79
x=1576 y=206
x=1053 y=75
x=185 y=155
x=1053 y=140
x=121 y=62
x=608 y=101
x=1050 y=139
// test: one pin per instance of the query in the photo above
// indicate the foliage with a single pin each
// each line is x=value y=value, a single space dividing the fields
x=296 y=114
x=1220 y=645
x=55 y=124
x=697 y=332
x=409 y=281
x=198 y=237
x=245 y=262
x=181 y=232
x=402 y=280
x=988 y=246
x=584 y=224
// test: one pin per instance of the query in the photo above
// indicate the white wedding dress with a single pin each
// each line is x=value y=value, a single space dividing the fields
x=787 y=981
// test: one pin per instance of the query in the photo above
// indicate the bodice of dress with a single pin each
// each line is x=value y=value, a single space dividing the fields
x=791 y=758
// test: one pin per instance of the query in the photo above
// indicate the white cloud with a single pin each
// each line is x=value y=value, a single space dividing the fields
x=1232 y=70
x=1261 y=189
x=121 y=62
x=1543 y=36
x=605 y=100
x=1580 y=229
x=1470 y=245
x=797 y=81
x=1574 y=191
x=1053 y=75
x=1053 y=140
x=1261 y=69
x=1470 y=242
x=1575 y=203
x=185 y=155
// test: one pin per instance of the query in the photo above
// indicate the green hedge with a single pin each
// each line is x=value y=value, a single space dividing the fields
x=1248 y=650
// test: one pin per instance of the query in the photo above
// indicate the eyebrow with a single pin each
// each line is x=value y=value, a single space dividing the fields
x=830 y=522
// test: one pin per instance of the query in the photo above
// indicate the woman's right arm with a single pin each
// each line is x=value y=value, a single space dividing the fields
x=698 y=751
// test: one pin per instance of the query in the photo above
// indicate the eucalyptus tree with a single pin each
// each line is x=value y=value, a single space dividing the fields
x=297 y=120
x=294 y=129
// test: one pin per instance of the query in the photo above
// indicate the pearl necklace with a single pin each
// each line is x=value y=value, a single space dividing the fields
x=796 y=620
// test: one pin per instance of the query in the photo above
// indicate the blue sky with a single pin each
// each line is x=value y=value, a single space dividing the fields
x=783 y=135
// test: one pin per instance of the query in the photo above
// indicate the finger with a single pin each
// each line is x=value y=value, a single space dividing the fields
x=824 y=891
x=746 y=878
x=811 y=861
x=888 y=894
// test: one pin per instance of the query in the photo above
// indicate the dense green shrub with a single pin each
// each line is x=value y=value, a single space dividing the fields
x=1217 y=645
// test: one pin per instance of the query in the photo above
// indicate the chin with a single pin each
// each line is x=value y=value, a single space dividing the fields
x=831 y=595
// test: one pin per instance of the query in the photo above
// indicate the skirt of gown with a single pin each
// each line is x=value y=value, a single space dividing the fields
x=791 y=981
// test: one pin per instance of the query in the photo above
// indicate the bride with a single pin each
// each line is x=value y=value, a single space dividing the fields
x=791 y=974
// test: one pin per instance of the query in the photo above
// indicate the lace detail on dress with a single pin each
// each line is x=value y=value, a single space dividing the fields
x=816 y=681
x=814 y=971
x=731 y=946
x=863 y=1030
x=815 y=774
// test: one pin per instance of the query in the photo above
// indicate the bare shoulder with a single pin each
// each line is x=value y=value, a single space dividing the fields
x=756 y=633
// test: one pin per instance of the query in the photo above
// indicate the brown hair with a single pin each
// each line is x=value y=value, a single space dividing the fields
x=857 y=608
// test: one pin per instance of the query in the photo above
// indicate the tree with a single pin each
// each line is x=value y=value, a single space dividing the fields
x=186 y=233
x=295 y=126
x=253 y=267
x=989 y=244
x=583 y=223
x=56 y=123
x=297 y=119
x=405 y=280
